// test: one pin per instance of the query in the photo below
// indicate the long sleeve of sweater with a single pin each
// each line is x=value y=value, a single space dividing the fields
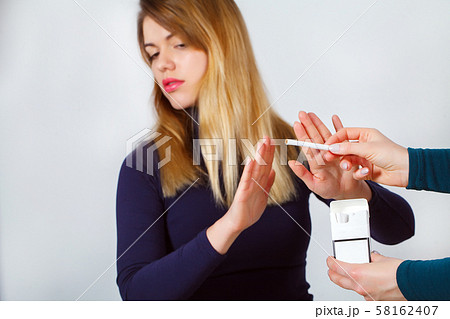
x=424 y=279
x=429 y=169
x=147 y=267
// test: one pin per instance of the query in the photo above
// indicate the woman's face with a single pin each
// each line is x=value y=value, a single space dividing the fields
x=177 y=67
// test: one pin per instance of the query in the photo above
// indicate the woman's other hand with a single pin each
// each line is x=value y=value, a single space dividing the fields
x=382 y=160
x=325 y=177
x=374 y=281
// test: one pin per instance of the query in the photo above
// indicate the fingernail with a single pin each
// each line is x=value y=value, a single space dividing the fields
x=334 y=148
x=364 y=171
x=375 y=252
x=344 y=166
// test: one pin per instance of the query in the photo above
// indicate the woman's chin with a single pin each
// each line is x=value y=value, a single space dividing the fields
x=180 y=104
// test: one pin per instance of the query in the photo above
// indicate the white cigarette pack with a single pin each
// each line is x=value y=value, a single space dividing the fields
x=350 y=230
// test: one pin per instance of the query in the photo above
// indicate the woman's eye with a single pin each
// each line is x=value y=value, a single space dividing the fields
x=181 y=45
x=154 y=55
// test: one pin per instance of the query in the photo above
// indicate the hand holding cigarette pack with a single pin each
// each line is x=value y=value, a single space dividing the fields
x=350 y=230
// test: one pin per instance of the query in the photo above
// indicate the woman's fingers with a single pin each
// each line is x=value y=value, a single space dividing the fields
x=337 y=123
x=246 y=178
x=271 y=152
x=270 y=182
x=302 y=173
x=268 y=159
x=300 y=132
x=310 y=128
x=302 y=135
x=321 y=128
x=265 y=155
x=259 y=169
x=259 y=154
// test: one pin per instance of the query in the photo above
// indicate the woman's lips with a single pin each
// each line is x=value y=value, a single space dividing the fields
x=171 y=84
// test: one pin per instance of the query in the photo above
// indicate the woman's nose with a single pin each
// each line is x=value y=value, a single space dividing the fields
x=165 y=62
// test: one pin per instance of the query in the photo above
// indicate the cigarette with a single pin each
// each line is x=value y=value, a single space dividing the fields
x=308 y=144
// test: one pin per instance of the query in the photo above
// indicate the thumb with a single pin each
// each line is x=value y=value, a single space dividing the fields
x=347 y=148
x=302 y=172
x=339 y=267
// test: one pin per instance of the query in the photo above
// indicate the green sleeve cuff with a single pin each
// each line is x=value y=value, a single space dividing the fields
x=424 y=279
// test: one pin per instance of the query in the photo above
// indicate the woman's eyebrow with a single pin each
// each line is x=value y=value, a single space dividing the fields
x=153 y=45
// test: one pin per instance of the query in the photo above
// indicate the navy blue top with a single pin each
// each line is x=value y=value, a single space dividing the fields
x=164 y=254
x=429 y=169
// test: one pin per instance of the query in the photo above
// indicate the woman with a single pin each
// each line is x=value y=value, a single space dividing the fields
x=203 y=231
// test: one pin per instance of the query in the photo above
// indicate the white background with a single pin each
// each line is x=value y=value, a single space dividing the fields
x=71 y=96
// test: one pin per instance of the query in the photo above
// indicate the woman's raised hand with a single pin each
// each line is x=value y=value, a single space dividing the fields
x=250 y=199
x=251 y=195
x=325 y=177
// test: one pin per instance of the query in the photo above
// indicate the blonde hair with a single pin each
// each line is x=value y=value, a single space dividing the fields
x=232 y=96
